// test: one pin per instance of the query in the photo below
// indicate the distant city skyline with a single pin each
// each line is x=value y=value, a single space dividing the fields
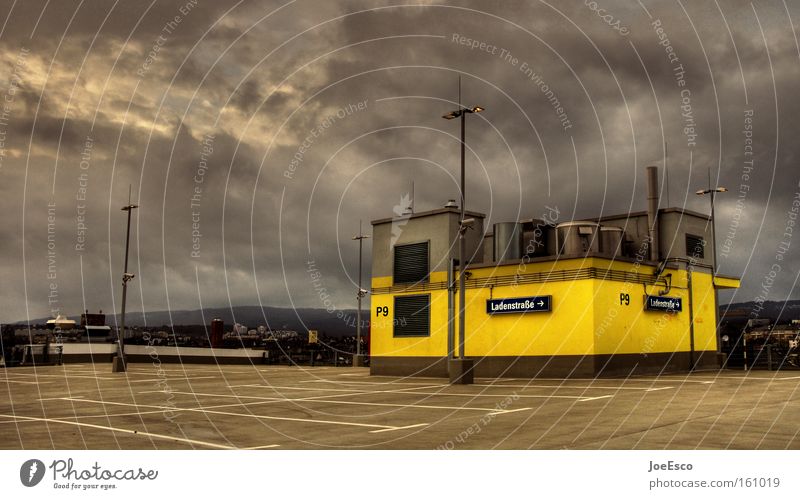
x=256 y=136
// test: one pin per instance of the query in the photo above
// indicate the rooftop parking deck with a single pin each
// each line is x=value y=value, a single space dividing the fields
x=85 y=406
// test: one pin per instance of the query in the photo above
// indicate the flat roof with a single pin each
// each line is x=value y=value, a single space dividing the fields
x=635 y=214
x=428 y=213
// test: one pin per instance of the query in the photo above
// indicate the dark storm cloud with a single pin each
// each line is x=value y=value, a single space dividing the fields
x=205 y=129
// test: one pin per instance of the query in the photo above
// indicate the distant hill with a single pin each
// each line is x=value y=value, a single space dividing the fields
x=299 y=319
x=777 y=311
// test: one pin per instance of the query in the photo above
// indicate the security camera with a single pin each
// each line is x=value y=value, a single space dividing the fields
x=127 y=276
x=467 y=222
x=363 y=292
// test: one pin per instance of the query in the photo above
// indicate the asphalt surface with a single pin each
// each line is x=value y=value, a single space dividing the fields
x=259 y=407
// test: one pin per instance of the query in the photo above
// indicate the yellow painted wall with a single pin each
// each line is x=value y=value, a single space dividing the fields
x=382 y=340
x=567 y=330
x=586 y=318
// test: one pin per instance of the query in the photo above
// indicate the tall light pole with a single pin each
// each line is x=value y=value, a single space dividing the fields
x=714 y=253
x=119 y=365
x=361 y=293
x=461 y=112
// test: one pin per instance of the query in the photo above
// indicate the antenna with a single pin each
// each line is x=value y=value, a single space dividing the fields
x=666 y=172
x=459 y=91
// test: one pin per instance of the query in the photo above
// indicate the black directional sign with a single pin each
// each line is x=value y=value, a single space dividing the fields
x=662 y=303
x=519 y=305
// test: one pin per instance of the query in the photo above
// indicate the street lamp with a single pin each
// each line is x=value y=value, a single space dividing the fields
x=461 y=371
x=361 y=293
x=119 y=365
x=713 y=192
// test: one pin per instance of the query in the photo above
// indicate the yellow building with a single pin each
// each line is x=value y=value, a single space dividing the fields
x=544 y=298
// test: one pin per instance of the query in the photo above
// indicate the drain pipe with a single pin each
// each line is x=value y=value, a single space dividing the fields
x=691 y=317
x=690 y=290
x=450 y=312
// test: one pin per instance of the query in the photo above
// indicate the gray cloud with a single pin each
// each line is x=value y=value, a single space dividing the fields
x=268 y=73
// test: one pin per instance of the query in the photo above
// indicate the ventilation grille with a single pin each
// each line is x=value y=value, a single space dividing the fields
x=411 y=263
x=695 y=246
x=412 y=315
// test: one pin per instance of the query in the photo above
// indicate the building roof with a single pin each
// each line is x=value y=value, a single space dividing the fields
x=428 y=213
x=635 y=214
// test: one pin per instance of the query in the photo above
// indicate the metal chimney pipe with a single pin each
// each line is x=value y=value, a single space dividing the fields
x=652 y=211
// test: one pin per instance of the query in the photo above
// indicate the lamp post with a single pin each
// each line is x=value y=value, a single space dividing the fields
x=361 y=293
x=119 y=365
x=461 y=376
x=703 y=192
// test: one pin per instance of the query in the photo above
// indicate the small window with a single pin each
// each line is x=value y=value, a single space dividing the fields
x=412 y=315
x=411 y=263
x=695 y=246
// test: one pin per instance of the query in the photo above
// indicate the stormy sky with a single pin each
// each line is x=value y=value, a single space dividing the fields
x=255 y=135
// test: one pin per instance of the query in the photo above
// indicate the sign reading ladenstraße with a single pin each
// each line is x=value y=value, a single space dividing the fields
x=519 y=305
x=663 y=303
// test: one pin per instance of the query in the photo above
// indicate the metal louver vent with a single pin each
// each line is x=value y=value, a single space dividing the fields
x=412 y=315
x=695 y=246
x=411 y=263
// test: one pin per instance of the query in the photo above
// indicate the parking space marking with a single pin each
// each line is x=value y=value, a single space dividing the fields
x=347 y=402
x=413 y=391
x=507 y=411
x=364 y=382
x=120 y=430
x=256 y=416
x=587 y=399
x=25 y=382
x=419 y=425
x=170 y=379
x=560 y=387
x=748 y=377
x=65 y=375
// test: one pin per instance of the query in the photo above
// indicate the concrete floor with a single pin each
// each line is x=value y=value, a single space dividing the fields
x=259 y=407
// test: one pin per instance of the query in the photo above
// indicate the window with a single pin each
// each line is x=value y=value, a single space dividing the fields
x=411 y=263
x=695 y=246
x=412 y=315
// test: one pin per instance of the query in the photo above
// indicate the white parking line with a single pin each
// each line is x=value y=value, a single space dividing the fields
x=65 y=375
x=496 y=412
x=25 y=382
x=347 y=402
x=121 y=430
x=365 y=382
x=573 y=387
x=401 y=428
x=255 y=416
x=412 y=391
x=595 y=398
x=170 y=379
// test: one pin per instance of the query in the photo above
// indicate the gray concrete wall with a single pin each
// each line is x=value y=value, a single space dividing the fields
x=675 y=226
x=439 y=229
